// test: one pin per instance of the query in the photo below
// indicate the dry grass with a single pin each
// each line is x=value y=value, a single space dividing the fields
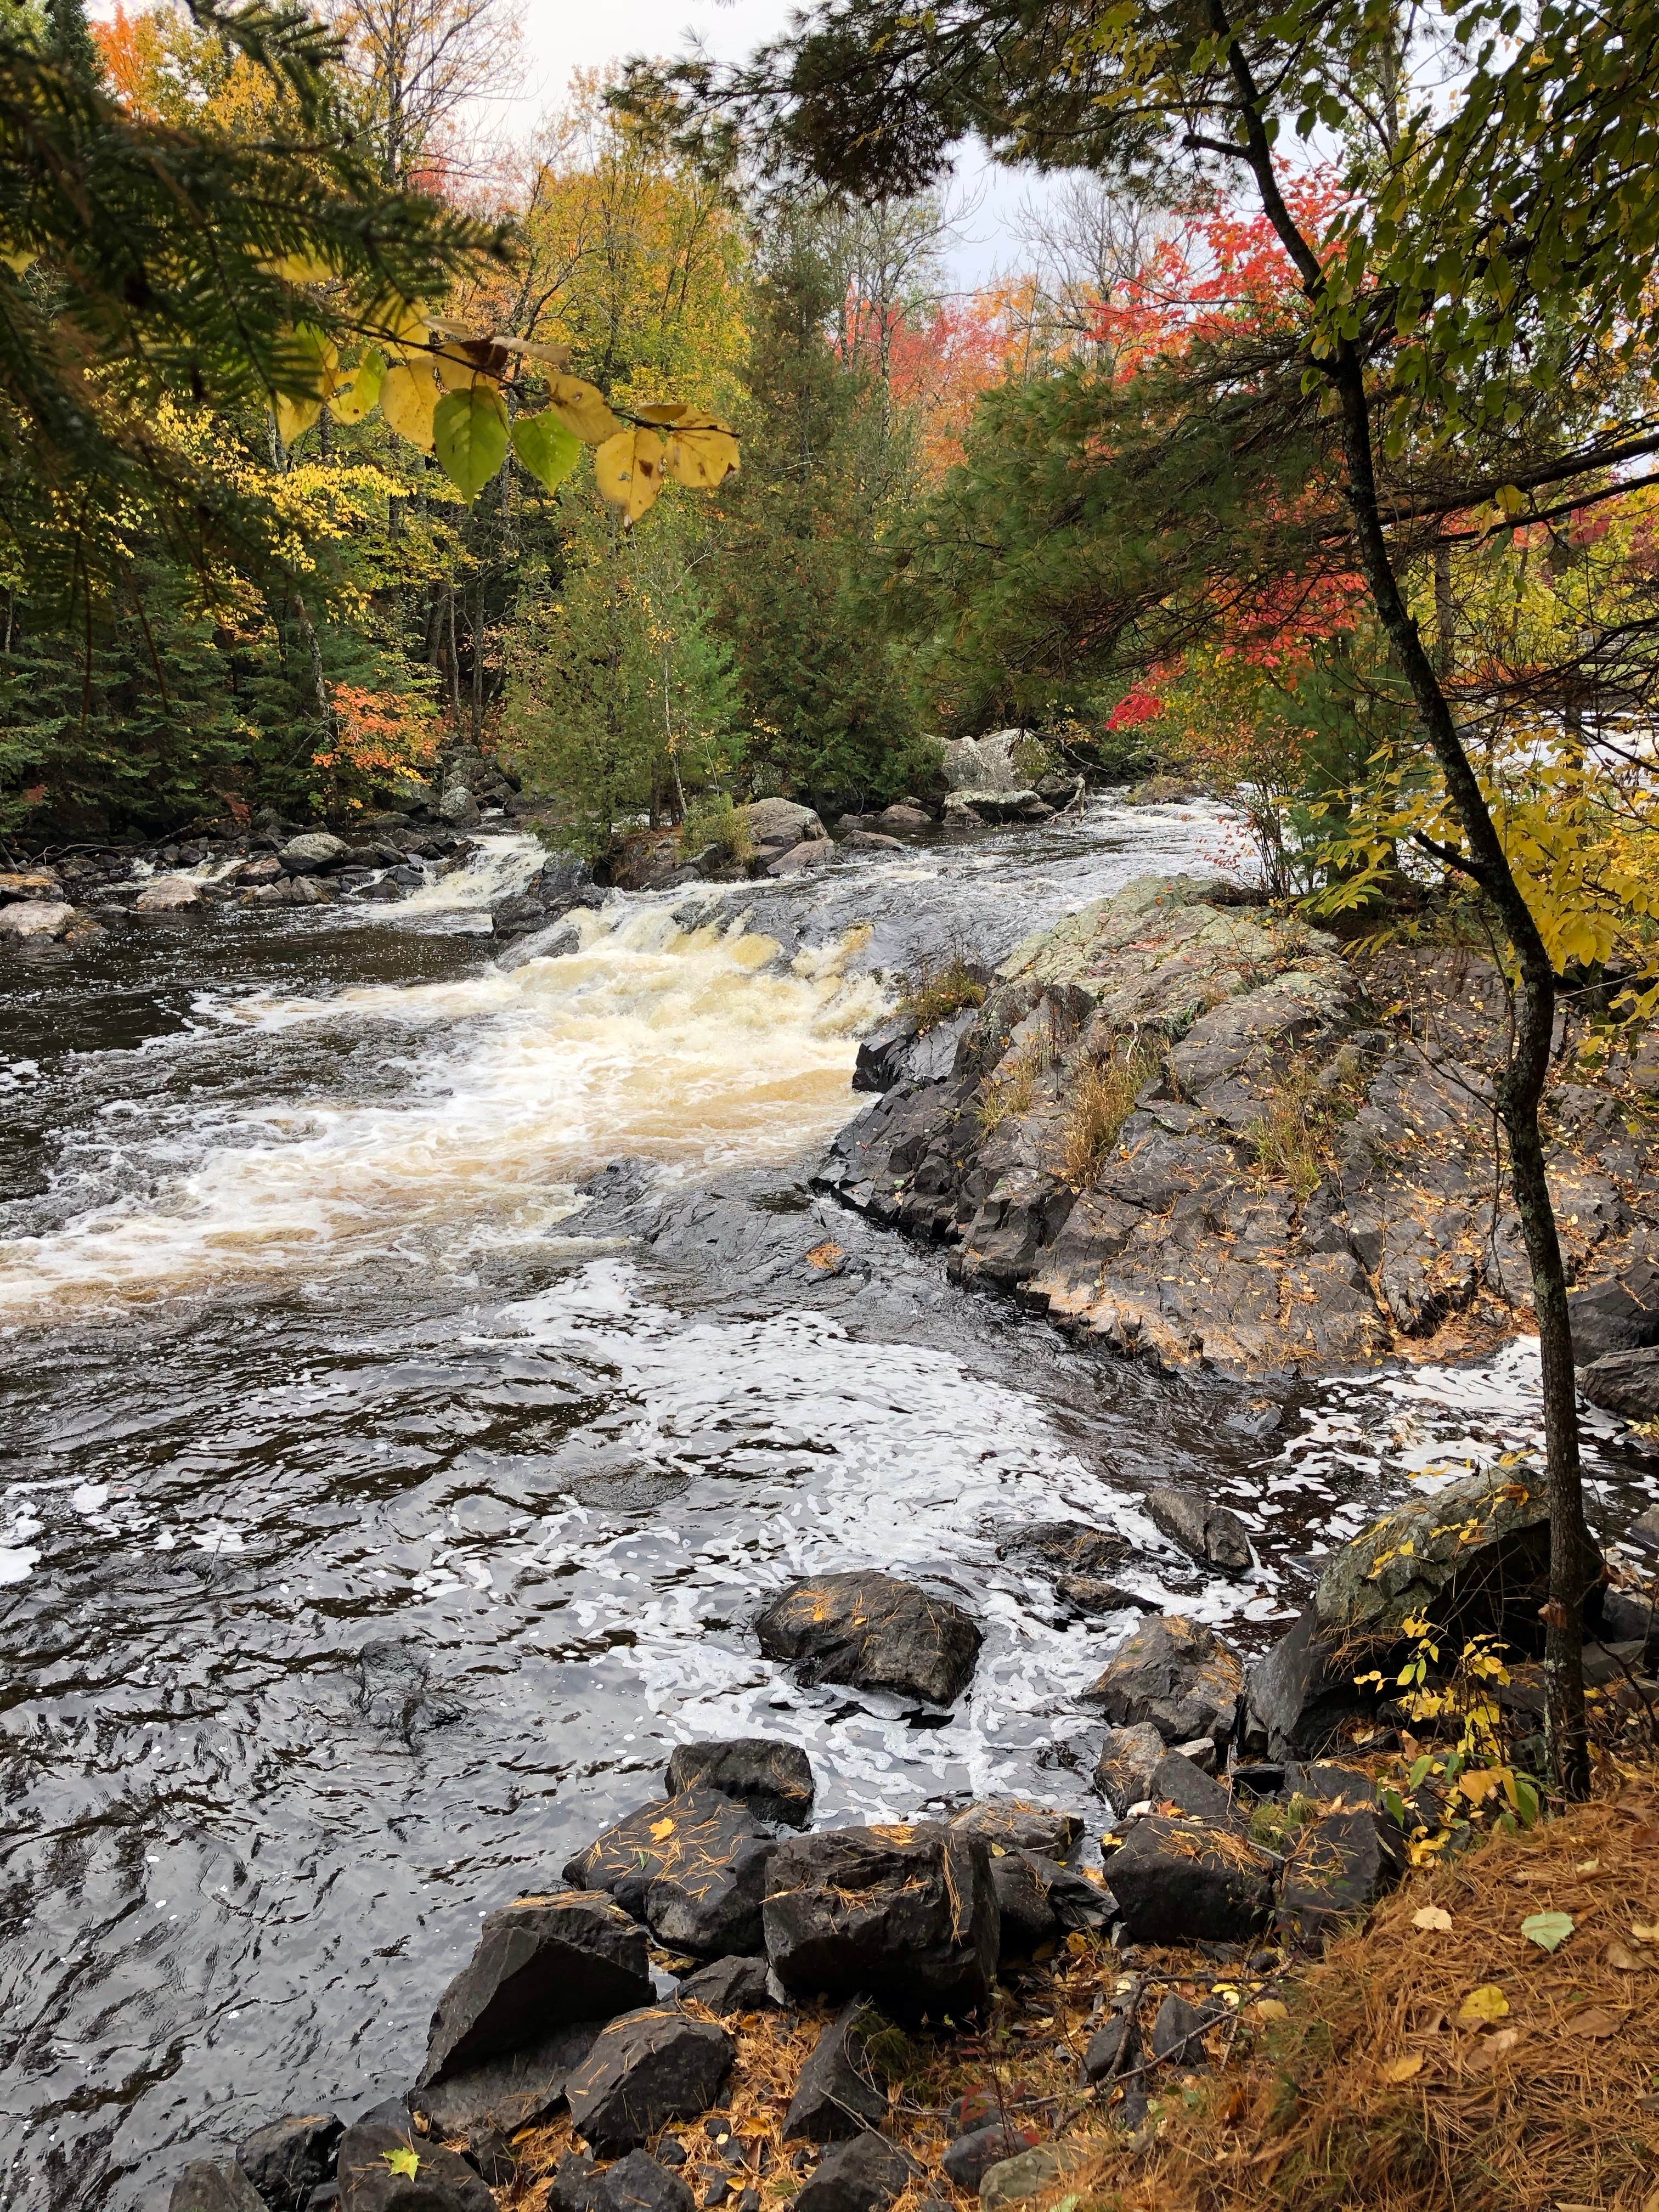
x=1102 y=1097
x=934 y=994
x=1014 y=1091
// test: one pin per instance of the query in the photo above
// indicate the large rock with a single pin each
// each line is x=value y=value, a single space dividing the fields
x=1617 y=1314
x=967 y=2159
x=1624 y=1383
x=286 y=2160
x=442 y=2180
x=777 y=824
x=864 y=2175
x=1174 y=1675
x=168 y=895
x=1016 y=1824
x=711 y=1908
x=1338 y=1869
x=644 y=2069
x=1034 y=2174
x=1214 y=1536
x=214 y=2184
x=907 y=1914
x=1112 y=2050
x=837 y=2093
x=810 y=852
x=540 y=1964
x=457 y=809
x=503 y=2094
x=983 y=764
x=310 y=854
x=679 y=1838
x=638 y=2184
x=773 y=1780
x=1177 y=1782
x=1026 y=1922
x=729 y=1985
x=1184 y=1881
x=35 y=918
x=1128 y=1758
x=874 y=1631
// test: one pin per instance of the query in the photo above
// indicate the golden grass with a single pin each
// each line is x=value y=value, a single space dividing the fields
x=1100 y=1099
x=1013 y=1092
x=933 y=995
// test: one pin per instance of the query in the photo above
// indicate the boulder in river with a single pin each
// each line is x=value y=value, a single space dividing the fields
x=907 y=1914
x=862 y=2175
x=1016 y=1825
x=168 y=895
x=1624 y=1383
x=442 y=2180
x=214 y=2184
x=774 y=1780
x=1617 y=1313
x=287 y=2159
x=810 y=852
x=875 y=1632
x=837 y=2092
x=1184 y=1881
x=540 y=1964
x=513 y=2090
x=310 y=854
x=1175 y=1674
x=683 y=1836
x=644 y=2069
x=1212 y=1534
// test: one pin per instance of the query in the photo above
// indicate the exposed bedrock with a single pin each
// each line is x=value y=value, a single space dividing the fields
x=1195 y=1128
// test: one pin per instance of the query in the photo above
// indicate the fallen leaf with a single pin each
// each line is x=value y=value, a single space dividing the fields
x=1490 y=2048
x=1272 y=2009
x=1434 y=1917
x=1623 y=1961
x=1597 y=2024
x=1587 y=1866
x=403 y=2161
x=660 y=1830
x=1549 y=1930
x=1401 y=2069
x=1645 y=1933
x=1487 y=2003
x=1077 y=1945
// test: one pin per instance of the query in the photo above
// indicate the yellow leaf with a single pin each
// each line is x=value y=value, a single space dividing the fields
x=1479 y=1782
x=666 y=410
x=701 y=454
x=1272 y=2009
x=628 y=469
x=19 y=259
x=357 y=394
x=1645 y=1932
x=1077 y=1945
x=403 y=2161
x=1403 y=2069
x=581 y=407
x=295 y=416
x=1434 y=1917
x=409 y=394
x=661 y=1831
x=1488 y=2003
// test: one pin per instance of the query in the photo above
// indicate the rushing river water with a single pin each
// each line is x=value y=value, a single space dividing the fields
x=420 y=1367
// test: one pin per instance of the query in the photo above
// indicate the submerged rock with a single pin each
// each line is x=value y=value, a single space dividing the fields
x=874 y=1631
x=907 y=1914
x=1175 y=1676
x=646 y=2069
x=774 y=1780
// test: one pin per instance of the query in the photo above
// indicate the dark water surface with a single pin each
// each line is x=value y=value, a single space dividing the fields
x=377 y=1510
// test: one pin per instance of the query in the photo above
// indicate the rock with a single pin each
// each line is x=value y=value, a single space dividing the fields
x=1019 y=1826
x=1618 y=1314
x=1630 y=1616
x=1338 y=1869
x=1129 y=1757
x=214 y=2184
x=1026 y=1921
x=457 y=809
x=1178 y=2032
x=904 y=819
x=36 y=919
x=541 y=1963
x=706 y=1830
x=872 y=840
x=1090 y=1596
x=310 y=854
x=503 y=2094
x=882 y=1055
x=729 y=1985
x=774 y=1780
x=638 y=2184
x=810 y=852
x=968 y=2160
x=576 y=2186
x=1213 y=1535
x=168 y=895
x=1174 y=1674
x=1181 y=1783
x=711 y=1907
x=1112 y=2049
x=1178 y=1881
x=863 y=2175
x=836 y=2092
x=905 y=1914
x=1623 y=1383
x=1033 y=2173
x=645 y=2068
x=287 y=2160
x=266 y=870
x=874 y=1631
x=442 y=2180
x=1078 y=1903
x=776 y=824
x=1071 y=1545
x=984 y=763
x=1645 y=1529
x=29 y=883
x=972 y=809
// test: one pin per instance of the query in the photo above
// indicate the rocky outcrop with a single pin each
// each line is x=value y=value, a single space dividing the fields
x=1304 y=1177
x=874 y=1631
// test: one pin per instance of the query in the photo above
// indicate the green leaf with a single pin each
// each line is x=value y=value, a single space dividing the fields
x=546 y=447
x=469 y=435
x=1549 y=1930
x=403 y=2161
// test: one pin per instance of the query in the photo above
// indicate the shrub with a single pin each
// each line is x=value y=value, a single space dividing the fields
x=716 y=820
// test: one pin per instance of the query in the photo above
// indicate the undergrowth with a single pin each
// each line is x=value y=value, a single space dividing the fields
x=1293 y=1138
x=718 y=821
x=1013 y=1092
x=1102 y=1097
x=935 y=993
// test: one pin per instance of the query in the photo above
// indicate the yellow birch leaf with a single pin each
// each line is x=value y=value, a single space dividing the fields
x=19 y=259
x=1403 y=2069
x=295 y=416
x=1431 y=1917
x=469 y=436
x=403 y=2161
x=582 y=408
x=628 y=469
x=1488 y=2003
x=410 y=393
x=701 y=454
x=1272 y=2009
x=663 y=410
x=358 y=394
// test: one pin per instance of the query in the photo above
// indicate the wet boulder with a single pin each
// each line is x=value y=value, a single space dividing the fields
x=31 y=920
x=1212 y=1534
x=1128 y=1758
x=638 y=2184
x=1619 y=1313
x=1017 y=1825
x=313 y=853
x=458 y=809
x=874 y=1631
x=810 y=852
x=286 y=2160
x=168 y=895
x=837 y=2092
x=710 y=1906
x=967 y=2159
x=773 y=1781
x=862 y=2175
x=499 y=2095
x=1338 y=1869
x=1175 y=1676
x=729 y=1985
x=214 y=2184
x=1624 y=1383
x=442 y=2180
x=777 y=825
x=540 y=1964
x=644 y=2069
x=1026 y=1922
x=905 y=1914
x=906 y=819
x=679 y=1838
x=1182 y=1881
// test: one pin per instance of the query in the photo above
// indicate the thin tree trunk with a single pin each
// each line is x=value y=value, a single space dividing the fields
x=1444 y=615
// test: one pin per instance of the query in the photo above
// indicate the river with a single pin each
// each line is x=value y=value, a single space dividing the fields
x=419 y=1368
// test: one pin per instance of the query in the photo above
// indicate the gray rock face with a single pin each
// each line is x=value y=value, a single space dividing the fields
x=1015 y=1824
x=967 y=2159
x=1182 y=1881
x=1026 y=1922
x=168 y=895
x=1178 y=1782
x=1174 y=1676
x=503 y=2094
x=837 y=2093
x=907 y=1914
x=705 y=1831
x=1618 y=1314
x=711 y=1908
x=773 y=1780
x=442 y=2180
x=287 y=2160
x=729 y=1985
x=309 y=854
x=1212 y=1534
x=457 y=809
x=776 y=824
x=644 y=2069
x=874 y=1631
x=1338 y=1869
x=638 y=2184
x=540 y=1964
x=214 y=2184
x=1624 y=1383
x=810 y=852
x=863 y=2175
x=1033 y=2173
x=984 y=763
